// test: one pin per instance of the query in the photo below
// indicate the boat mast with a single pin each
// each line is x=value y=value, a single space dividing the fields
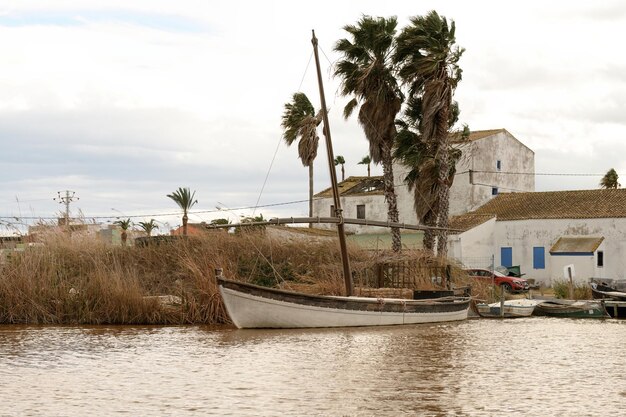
x=347 y=276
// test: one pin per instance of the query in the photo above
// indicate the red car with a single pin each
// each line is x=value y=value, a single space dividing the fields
x=510 y=284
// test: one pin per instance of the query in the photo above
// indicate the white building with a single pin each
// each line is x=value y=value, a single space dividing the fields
x=544 y=232
x=492 y=162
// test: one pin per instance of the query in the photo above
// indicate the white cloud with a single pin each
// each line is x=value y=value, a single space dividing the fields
x=126 y=101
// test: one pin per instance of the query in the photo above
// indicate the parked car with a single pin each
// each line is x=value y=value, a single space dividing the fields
x=510 y=284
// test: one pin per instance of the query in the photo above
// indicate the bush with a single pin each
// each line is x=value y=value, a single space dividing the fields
x=581 y=291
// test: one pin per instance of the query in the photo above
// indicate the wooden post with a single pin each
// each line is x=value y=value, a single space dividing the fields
x=501 y=301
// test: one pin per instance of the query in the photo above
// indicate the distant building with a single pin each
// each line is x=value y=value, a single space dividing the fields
x=544 y=232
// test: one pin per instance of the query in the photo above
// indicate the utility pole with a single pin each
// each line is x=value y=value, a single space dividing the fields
x=66 y=199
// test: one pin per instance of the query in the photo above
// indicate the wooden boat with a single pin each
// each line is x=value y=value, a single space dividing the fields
x=572 y=308
x=512 y=309
x=603 y=292
x=251 y=306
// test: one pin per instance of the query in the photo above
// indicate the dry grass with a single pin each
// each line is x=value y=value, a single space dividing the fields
x=82 y=281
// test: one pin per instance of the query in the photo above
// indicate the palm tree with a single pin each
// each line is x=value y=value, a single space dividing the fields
x=124 y=225
x=428 y=64
x=339 y=160
x=610 y=180
x=367 y=75
x=148 y=227
x=367 y=160
x=423 y=175
x=185 y=200
x=300 y=121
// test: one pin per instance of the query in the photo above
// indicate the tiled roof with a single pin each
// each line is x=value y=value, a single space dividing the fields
x=355 y=186
x=581 y=204
x=575 y=244
x=468 y=221
x=476 y=135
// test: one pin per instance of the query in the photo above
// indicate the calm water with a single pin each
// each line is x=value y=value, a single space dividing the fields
x=527 y=367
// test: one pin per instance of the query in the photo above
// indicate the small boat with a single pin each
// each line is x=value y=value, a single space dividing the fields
x=572 y=309
x=252 y=306
x=604 y=292
x=512 y=309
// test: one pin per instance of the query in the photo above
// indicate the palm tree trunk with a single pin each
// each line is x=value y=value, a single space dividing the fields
x=368 y=170
x=444 y=176
x=185 y=219
x=311 y=193
x=428 y=241
x=343 y=173
x=124 y=237
x=390 y=197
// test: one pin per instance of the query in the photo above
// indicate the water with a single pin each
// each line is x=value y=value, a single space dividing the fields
x=525 y=367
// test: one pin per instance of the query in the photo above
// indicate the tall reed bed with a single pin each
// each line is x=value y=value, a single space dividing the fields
x=79 y=280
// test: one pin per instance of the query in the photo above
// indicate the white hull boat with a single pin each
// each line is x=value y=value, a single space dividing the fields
x=251 y=306
x=512 y=309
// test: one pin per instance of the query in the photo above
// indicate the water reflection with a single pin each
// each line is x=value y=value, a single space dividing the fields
x=535 y=366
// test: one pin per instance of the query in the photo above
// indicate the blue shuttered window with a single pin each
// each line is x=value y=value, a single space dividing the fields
x=539 y=257
x=506 y=256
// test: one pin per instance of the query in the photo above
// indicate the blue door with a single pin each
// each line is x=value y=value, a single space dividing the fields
x=506 y=257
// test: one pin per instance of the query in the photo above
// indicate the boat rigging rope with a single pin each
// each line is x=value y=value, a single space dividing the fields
x=267 y=175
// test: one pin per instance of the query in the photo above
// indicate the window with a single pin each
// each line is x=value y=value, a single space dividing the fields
x=332 y=210
x=506 y=256
x=360 y=211
x=539 y=257
x=600 y=259
x=494 y=190
x=499 y=165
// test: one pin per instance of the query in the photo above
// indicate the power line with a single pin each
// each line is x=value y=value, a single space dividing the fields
x=163 y=214
x=559 y=174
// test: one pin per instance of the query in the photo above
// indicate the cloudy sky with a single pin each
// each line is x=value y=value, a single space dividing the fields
x=124 y=101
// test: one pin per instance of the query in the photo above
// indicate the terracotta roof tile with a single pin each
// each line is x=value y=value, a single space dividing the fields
x=468 y=221
x=576 y=244
x=580 y=204
x=476 y=135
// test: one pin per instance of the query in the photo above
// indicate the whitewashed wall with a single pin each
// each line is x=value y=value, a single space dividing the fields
x=482 y=155
x=475 y=246
x=478 y=155
x=375 y=209
x=523 y=235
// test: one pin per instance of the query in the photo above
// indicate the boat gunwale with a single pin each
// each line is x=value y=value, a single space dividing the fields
x=397 y=305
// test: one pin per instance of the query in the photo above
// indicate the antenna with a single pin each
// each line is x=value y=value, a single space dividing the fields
x=66 y=199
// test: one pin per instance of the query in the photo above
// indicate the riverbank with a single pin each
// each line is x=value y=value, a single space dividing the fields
x=79 y=280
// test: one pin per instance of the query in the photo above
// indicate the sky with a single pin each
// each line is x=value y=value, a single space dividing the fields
x=122 y=102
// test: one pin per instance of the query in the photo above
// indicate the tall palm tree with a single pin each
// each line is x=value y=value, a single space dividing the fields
x=428 y=64
x=148 y=227
x=423 y=175
x=610 y=180
x=367 y=160
x=339 y=160
x=124 y=225
x=367 y=75
x=185 y=200
x=300 y=121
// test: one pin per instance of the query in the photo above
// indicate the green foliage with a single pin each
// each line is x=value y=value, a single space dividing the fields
x=184 y=198
x=220 y=221
x=561 y=290
x=609 y=181
x=124 y=224
x=148 y=227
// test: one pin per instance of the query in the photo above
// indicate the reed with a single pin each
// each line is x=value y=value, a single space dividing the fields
x=78 y=280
